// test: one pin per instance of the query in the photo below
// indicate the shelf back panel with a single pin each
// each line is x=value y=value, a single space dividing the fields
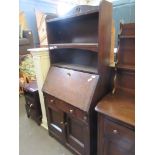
x=126 y=53
x=75 y=30
x=74 y=56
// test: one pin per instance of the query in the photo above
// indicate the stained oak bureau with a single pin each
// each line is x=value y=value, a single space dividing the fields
x=79 y=76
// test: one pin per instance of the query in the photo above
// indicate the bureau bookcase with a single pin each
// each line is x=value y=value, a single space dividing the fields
x=79 y=48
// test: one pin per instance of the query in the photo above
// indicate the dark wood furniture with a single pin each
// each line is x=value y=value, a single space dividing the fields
x=116 y=111
x=33 y=108
x=79 y=47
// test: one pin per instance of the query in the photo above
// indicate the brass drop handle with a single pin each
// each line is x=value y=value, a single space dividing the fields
x=115 y=131
x=71 y=111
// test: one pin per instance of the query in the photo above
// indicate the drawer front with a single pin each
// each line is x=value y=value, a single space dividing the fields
x=67 y=108
x=119 y=135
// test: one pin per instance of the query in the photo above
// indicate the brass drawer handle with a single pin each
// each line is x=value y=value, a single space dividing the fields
x=71 y=111
x=115 y=132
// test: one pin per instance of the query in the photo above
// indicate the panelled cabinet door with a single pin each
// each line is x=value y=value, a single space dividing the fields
x=76 y=135
x=118 y=140
x=56 y=123
x=111 y=148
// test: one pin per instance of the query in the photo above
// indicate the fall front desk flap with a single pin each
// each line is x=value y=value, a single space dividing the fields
x=74 y=87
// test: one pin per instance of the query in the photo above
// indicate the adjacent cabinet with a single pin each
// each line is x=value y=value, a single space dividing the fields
x=79 y=76
x=116 y=111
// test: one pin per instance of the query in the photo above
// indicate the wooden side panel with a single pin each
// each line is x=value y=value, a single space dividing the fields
x=73 y=87
x=104 y=35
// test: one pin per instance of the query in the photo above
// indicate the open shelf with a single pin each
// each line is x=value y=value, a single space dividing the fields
x=85 y=46
x=78 y=67
x=83 y=14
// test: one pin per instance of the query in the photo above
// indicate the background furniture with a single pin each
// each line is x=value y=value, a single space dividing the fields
x=32 y=105
x=41 y=26
x=41 y=63
x=25 y=42
x=26 y=71
x=79 y=47
x=116 y=111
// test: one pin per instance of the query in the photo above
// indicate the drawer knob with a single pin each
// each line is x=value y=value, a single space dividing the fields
x=61 y=122
x=31 y=105
x=85 y=118
x=71 y=111
x=51 y=101
x=115 y=131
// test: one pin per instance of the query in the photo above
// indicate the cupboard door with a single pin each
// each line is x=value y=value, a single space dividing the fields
x=118 y=140
x=56 y=123
x=77 y=135
x=111 y=148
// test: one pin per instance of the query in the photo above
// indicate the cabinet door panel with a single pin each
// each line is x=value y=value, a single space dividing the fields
x=119 y=135
x=56 y=122
x=75 y=136
x=118 y=139
x=111 y=148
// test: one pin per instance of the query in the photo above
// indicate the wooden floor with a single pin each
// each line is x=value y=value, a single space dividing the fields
x=34 y=139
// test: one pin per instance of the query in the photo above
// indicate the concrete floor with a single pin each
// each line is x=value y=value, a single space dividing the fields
x=34 y=139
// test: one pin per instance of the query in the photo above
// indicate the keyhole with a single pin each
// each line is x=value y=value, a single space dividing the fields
x=69 y=74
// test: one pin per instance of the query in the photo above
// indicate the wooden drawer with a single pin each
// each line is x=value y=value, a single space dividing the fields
x=120 y=135
x=67 y=108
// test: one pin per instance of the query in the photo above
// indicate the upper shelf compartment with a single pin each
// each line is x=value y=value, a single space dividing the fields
x=76 y=12
x=84 y=46
x=77 y=28
x=126 y=52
